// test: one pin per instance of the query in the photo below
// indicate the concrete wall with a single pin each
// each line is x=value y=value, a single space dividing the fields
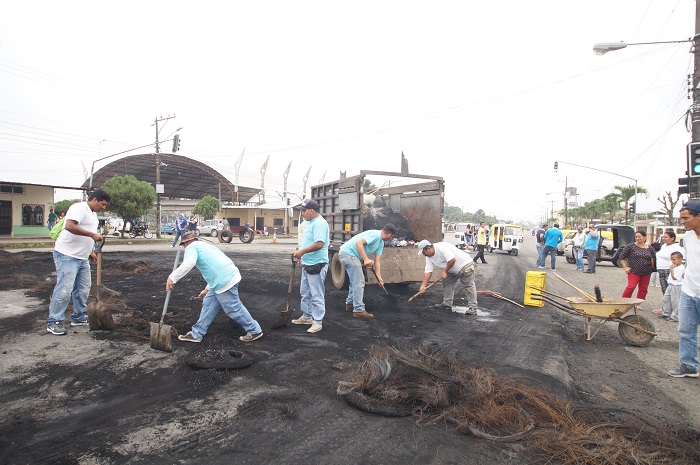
x=29 y=209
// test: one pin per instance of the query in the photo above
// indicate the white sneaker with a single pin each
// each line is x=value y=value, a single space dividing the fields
x=315 y=328
x=461 y=310
x=540 y=268
x=303 y=321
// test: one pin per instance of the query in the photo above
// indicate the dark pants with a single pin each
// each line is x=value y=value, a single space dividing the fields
x=480 y=255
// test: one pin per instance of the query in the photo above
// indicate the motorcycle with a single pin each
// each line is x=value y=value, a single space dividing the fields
x=141 y=230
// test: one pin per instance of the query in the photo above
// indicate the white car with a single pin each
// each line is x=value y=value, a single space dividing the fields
x=209 y=228
x=115 y=226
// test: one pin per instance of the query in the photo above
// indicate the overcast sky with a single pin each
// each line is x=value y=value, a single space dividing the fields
x=486 y=95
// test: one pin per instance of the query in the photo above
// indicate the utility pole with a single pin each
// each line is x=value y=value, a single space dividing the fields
x=566 y=204
x=694 y=182
x=159 y=187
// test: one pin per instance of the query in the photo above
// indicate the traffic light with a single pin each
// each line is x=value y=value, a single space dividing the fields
x=556 y=166
x=694 y=159
x=176 y=143
x=633 y=207
x=683 y=185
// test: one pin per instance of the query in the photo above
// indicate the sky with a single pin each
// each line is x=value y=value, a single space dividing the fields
x=487 y=95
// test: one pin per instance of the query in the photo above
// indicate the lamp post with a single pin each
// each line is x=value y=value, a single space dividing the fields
x=159 y=187
x=602 y=48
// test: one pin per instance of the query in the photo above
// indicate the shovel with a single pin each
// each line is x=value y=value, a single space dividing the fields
x=387 y=294
x=160 y=333
x=99 y=316
x=428 y=287
x=286 y=315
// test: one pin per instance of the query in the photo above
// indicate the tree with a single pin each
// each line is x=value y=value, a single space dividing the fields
x=479 y=215
x=62 y=205
x=626 y=193
x=130 y=197
x=207 y=207
x=612 y=204
x=369 y=185
x=668 y=205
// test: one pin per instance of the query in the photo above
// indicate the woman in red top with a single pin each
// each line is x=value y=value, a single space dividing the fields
x=639 y=261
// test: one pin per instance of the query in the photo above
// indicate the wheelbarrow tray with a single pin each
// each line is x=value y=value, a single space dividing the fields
x=608 y=308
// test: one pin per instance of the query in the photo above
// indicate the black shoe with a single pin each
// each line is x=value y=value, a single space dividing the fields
x=484 y=263
x=588 y=271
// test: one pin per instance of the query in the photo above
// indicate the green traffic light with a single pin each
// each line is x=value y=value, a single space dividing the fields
x=696 y=169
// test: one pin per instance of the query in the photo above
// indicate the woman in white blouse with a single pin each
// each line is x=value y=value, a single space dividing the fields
x=663 y=257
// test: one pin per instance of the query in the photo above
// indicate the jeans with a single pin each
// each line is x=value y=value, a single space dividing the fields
x=231 y=303
x=632 y=281
x=539 y=247
x=547 y=250
x=178 y=234
x=72 y=280
x=356 y=292
x=313 y=295
x=688 y=320
x=466 y=280
x=578 y=253
x=591 y=254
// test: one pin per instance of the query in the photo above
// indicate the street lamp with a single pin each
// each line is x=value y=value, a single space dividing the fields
x=604 y=47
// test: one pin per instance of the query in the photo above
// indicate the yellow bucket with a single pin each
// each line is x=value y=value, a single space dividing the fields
x=537 y=279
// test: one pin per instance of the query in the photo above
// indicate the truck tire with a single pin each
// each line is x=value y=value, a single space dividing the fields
x=226 y=236
x=246 y=236
x=338 y=273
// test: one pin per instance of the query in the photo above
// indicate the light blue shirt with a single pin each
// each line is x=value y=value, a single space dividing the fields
x=315 y=230
x=592 y=242
x=375 y=244
x=217 y=269
x=552 y=237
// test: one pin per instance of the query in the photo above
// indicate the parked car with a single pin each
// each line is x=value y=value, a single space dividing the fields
x=568 y=239
x=167 y=229
x=115 y=226
x=209 y=227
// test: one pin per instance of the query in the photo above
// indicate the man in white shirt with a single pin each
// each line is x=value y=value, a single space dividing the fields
x=73 y=252
x=456 y=266
x=579 y=240
x=689 y=311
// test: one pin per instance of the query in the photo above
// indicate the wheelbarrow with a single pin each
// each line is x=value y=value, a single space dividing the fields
x=634 y=329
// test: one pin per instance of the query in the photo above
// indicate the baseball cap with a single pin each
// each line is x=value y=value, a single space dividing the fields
x=188 y=236
x=308 y=204
x=692 y=205
x=422 y=245
x=579 y=227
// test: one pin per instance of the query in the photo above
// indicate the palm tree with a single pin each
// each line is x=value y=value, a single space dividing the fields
x=626 y=193
x=612 y=203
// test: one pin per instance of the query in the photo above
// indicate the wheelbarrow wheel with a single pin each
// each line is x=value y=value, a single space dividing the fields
x=630 y=333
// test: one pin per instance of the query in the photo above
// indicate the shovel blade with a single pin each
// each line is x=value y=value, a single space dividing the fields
x=160 y=337
x=283 y=319
x=99 y=317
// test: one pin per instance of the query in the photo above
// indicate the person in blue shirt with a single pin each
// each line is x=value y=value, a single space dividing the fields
x=222 y=277
x=354 y=255
x=591 y=244
x=552 y=237
x=180 y=228
x=313 y=254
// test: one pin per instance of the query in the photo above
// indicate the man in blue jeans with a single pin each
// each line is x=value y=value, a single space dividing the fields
x=689 y=310
x=313 y=253
x=552 y=238
x=180 y=225
x=222 y=277
x=354 y=255
x=73 y=252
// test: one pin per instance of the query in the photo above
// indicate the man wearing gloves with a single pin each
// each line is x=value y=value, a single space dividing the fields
x=221 y=292
x=457 y=266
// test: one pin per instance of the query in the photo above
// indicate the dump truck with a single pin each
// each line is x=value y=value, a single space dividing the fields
x=413 y=203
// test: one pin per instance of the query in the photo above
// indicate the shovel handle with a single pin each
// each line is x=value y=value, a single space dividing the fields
x=167 y=295
x=377 y=278
x=427 y=287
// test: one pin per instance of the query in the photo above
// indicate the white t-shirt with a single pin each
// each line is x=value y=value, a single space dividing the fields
x=73 y=245
x=678 y=273
x=663 y=256
x=445 y=252
x=691 y=281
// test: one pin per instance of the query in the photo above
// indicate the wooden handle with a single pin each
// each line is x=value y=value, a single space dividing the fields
x=585 y=294
x=427 y=287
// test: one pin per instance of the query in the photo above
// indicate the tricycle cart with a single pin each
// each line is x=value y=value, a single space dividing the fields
x=634 y=329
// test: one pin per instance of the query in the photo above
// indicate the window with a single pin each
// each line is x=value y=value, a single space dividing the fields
x=277 y=222
x=11 y=189
x=32 y=215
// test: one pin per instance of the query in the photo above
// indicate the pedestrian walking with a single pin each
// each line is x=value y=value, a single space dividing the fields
x=180 y=228
x=481 y=241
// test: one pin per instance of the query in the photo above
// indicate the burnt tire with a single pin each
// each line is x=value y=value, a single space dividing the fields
x=226 y=236
x=376 y=407
x=246 y=236
x=631 y=335
x=219 y=359
x=338 y=273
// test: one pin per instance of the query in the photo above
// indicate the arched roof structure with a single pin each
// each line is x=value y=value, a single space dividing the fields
x=182 y=177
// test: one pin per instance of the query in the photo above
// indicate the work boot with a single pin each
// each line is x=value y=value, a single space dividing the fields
x=363 y=314
x=316 y=327
x=303 y=321
x=349 y=307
